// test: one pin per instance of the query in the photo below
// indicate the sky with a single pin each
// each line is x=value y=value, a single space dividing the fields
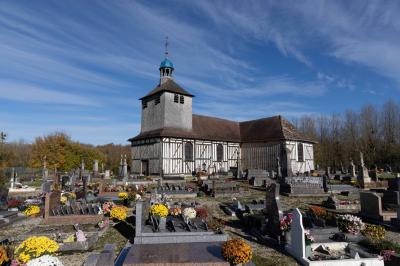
x=80 y=67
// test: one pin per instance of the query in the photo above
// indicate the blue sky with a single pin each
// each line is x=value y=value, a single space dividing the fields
x=81 y=66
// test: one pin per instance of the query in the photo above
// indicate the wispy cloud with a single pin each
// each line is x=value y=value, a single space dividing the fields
x=30 y=94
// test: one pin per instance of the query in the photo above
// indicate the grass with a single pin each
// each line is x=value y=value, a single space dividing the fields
x=112 y=236
x=273 y=259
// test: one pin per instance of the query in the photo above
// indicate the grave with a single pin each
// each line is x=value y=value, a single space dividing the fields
x=193 y=242
x=372 y=207
x=81 y=213
x=273 y=211
x=176 y=190
x=328 y=253
x=177 y=231
x=333 y=203
x=257 y=177
x=302 y=186
x=6 y=216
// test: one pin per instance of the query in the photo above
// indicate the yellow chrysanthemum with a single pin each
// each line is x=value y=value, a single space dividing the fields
x=159 y=210
x=123 y=195
x=119 y=213
x=35 y=247
x=31 y=210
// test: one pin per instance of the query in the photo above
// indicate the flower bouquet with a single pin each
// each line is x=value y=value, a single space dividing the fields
x=189 y=213
x=123 y=195
x=286 y=222
x=350 y=224
x=175 y=211
x=308 y=237
x=107 y=207
x=237 y=251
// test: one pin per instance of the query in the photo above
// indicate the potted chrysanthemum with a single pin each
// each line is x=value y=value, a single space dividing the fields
x=160 y=212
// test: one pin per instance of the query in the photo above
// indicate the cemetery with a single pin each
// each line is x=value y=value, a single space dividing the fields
x=299 y=187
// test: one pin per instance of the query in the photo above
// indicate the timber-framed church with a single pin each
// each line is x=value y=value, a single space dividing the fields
x=174 y=141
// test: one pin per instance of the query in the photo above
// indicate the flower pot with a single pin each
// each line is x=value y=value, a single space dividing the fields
x=162 y=223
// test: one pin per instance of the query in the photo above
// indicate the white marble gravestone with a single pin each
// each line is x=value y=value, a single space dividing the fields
x=297 y=246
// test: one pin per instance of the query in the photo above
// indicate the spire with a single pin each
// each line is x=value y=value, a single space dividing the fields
x=166 y=66
x=166 y=47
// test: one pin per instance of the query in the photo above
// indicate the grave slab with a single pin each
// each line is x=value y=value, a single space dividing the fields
x=193 y=254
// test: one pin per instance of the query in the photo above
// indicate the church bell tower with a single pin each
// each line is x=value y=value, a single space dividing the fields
x=168 y=105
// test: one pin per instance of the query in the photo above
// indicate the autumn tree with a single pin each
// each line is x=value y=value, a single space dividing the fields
x=62 y=153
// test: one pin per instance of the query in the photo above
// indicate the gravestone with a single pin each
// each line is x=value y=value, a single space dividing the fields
x=363 y=176
x=352 y=169
x=52 y=202
x=297 y=246
x=46 y=187
x=3 y=199
x=12 y=178
x=273 y=210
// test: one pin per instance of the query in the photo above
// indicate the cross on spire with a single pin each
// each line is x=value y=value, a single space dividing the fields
x=166 y=46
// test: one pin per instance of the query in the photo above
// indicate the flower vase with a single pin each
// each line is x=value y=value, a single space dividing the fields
x=308 y=251
x=162 y=223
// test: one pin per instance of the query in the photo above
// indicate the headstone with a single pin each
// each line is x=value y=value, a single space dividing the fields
x=279 y=168
x=3 y=199
x=107 y=174
x=352 y=169
x=363 y=176
x=45 y=172
x=297 y=246
x=273 y=210
x=125 y=168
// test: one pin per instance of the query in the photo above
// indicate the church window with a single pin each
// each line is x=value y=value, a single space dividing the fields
x=300 y=152
x=176 y=98
x=157 y=100
x=220 y=153
x=182 y=99
x=188 y=151
x=144 y=104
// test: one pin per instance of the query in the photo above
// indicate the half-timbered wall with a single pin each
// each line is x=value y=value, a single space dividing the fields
x=204 y=152
x=260 y=155
x=146 y=152
x=300 y=166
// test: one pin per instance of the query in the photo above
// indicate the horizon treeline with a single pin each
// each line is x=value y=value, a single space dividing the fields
x=373 y=130
x=62 y=153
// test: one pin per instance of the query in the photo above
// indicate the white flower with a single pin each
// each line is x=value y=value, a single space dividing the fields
x=138 y=197
x=189 y=213
x=45 y=260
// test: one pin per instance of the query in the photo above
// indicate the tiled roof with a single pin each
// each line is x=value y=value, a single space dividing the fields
x=268 y=129
x=169 y=85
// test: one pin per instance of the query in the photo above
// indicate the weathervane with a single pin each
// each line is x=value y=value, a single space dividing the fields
x=166 y=46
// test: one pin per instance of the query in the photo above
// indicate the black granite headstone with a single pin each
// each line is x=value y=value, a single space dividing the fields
x=273 y=210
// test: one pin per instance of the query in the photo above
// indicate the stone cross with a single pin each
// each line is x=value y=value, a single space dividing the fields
x=362 y=159
x=45 y=172
x=279 y=168
x=125 y=168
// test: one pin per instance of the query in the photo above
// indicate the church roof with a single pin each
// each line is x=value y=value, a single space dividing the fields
x=268 y=129
x=273 y=128
x=169 y=85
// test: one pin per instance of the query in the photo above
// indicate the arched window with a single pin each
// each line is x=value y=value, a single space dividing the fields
x=188 y=151
x=220 y=153
x=300 y=152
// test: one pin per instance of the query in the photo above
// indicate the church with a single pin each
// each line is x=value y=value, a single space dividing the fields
x=173 y=141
